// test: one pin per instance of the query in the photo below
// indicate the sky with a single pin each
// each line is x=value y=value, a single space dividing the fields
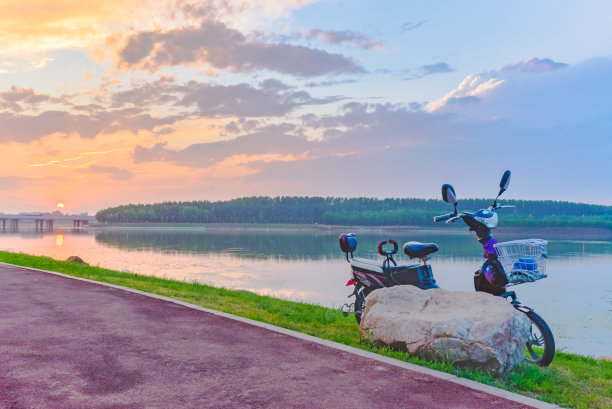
x=104 y=103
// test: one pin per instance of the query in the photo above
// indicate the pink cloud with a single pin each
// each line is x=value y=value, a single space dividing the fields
x=221 y=47
x=345 y=37
x=535 y=65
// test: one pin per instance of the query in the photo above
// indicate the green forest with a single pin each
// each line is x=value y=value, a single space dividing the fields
x=353 y=211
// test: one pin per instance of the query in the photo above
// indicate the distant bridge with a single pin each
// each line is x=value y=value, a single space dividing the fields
x=44 y=219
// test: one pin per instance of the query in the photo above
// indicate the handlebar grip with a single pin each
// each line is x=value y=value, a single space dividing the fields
x=380 y=247
x=395 y=246
x=387 y=252
x=443 y=217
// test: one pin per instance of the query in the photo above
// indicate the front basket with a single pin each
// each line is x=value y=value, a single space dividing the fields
x=524 y=260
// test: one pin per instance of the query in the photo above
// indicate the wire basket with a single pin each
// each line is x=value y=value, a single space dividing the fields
x=524 y=260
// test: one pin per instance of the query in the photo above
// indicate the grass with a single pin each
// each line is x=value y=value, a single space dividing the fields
x=571 y=381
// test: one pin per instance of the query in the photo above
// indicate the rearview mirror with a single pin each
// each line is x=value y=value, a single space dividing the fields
x=448 y=194
x=505 y=181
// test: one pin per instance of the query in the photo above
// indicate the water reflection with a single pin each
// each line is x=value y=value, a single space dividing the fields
x=285 y=245
x=316 y=245
x=243 y=244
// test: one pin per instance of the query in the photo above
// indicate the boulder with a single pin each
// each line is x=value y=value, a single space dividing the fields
x=76 y=259
x=469 y=329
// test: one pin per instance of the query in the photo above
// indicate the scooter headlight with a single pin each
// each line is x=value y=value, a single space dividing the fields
x=487 y=217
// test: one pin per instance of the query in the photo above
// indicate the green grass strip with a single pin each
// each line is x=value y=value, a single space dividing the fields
x=571 y=381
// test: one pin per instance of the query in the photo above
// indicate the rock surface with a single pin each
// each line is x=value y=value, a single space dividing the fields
x=76 y=259
x=470 y=329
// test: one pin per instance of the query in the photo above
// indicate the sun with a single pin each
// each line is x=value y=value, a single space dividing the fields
x=60 y=205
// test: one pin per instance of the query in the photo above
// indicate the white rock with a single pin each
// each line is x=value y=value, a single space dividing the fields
x=470 y=329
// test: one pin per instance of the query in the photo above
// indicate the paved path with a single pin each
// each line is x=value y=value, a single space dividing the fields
x=67 y=343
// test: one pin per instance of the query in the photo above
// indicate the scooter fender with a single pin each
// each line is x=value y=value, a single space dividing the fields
x=523 y=309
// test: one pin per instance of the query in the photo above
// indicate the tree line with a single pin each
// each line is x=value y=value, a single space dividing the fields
x=352 y=211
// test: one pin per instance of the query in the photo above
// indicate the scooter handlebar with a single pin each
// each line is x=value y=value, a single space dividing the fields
x=443 y=217
x=452 y=219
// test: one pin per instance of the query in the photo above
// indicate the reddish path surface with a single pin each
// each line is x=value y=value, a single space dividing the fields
x=66 y=344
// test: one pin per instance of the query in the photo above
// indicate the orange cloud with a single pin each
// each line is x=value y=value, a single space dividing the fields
x=32 y=26
x=62 y=162
x=28 y=27
x=238 y=165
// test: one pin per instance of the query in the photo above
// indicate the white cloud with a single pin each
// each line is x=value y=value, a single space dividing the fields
x=534 y=97
x=471 y=89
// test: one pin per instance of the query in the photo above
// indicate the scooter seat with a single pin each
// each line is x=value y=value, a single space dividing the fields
x=415 y=249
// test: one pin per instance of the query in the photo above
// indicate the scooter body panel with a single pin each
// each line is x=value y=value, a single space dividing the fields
x=372 y=275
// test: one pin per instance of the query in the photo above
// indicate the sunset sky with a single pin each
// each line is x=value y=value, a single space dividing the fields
x=131 y=101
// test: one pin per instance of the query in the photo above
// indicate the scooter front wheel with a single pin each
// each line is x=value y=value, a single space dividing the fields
x=541 y=344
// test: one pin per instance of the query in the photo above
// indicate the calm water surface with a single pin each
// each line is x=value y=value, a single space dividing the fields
x=575 y=299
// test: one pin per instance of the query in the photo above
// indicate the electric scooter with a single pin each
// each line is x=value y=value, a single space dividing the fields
x=509 y=263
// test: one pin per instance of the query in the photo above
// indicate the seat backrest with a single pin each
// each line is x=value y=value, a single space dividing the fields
x=348 y=242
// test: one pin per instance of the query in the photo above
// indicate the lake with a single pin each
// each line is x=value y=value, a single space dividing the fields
x=307 y=265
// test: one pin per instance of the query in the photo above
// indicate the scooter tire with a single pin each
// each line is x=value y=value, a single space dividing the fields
x=545 y=341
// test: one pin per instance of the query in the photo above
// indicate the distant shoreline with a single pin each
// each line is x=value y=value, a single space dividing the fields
x=551 y=233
